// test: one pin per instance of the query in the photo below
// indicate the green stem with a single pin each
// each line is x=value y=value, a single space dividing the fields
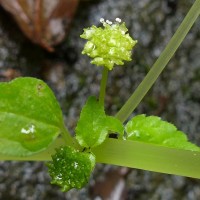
x=135 y=155
x=103 y=85
x=69 y=140
x=149 y=157
x=160 y=64
x=66 y=136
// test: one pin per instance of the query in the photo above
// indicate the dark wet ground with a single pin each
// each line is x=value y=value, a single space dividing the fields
x=175 y=96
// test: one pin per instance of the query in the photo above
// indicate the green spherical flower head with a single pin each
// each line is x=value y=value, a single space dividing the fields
x=108 y=45
x=70 y=168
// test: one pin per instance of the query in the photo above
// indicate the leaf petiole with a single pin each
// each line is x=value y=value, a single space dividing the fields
x=160 y=63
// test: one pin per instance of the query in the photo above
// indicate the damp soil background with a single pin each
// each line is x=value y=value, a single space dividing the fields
x=175 y=96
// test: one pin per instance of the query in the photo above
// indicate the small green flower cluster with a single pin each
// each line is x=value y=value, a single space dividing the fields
x=108 y=45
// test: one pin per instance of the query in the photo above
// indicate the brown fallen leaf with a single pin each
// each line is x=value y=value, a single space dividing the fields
x=44 y=22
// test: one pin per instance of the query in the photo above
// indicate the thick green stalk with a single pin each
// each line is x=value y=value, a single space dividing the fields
x=103 y=85
x=135 y=155
x=149 y=157
x=160 y=64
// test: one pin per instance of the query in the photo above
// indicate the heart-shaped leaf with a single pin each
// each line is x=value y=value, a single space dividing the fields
x=30 y=117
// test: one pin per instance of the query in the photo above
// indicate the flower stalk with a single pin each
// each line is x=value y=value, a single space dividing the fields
x=103 y=85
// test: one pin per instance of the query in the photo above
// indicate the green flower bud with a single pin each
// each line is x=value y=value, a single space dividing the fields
x=70 y=168
x=108 y=45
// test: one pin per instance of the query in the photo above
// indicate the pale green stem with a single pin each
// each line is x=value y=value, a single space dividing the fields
x=66 y=136
x=135 y=155
x=103 y=85
x=149 y=157
x=69 y=140
x=160 y=64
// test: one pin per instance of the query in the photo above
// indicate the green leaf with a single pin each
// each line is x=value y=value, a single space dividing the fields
x=70 y=168
x=153 y=130
x=30 y=117
x=93 y=125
